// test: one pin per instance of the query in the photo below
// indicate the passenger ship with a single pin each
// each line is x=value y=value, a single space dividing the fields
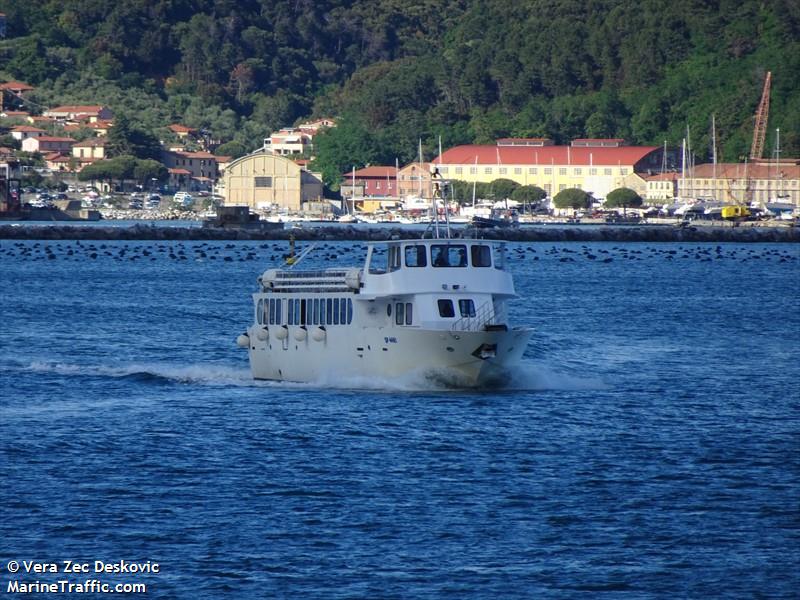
x=435 y=307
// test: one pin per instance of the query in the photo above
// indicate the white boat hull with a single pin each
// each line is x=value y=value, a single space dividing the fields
x=452 y=358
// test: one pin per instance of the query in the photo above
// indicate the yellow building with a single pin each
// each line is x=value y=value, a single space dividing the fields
x=763 y=181
x=595 y=166
x=263 y=180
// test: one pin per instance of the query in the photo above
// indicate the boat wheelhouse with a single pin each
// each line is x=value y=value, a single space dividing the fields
x=437 y=307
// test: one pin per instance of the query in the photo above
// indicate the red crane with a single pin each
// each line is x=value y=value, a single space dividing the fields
x=762 y=116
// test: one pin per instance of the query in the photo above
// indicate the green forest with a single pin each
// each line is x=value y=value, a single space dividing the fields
x=397 y=71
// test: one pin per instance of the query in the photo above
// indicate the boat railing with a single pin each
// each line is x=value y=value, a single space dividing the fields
x=321 y=281
x=483 y=319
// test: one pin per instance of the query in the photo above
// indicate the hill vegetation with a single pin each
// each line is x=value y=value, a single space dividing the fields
x=395 y=71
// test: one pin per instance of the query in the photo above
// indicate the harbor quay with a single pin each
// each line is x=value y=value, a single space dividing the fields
x=545 y=233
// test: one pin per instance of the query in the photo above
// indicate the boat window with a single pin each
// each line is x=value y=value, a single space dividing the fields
x=278 y=311
x=315 y=312
x=329 y=312
x=466 y=308
x=415 y=256
x=481 y=255
x=394 y=258
x=389 y=310
x=335 y=311
x=321 y=312
x=403 y=313
x=260 y=312
x=500 y=257
x=303 y=312
x=446 y=309
x=290 y=320
x=447 y=255
x=378 y=262
x=349 y=311
x=343 y=311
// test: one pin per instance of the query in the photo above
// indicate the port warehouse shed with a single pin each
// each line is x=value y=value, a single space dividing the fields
x=261 y=180
x=593 y=165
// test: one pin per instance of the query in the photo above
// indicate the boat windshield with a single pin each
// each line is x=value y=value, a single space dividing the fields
x=416 y=255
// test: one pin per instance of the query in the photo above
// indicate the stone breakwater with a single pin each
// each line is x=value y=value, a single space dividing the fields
x=548 y=233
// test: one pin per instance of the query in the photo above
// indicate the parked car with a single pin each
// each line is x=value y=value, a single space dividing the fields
x=183 y=198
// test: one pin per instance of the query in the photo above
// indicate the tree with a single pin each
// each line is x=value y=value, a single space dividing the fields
x=502 y=189
x=145 y=171
x=233 y=149
x=624 y=197
x=572 y=198
x=528 y=194
x=127 y=139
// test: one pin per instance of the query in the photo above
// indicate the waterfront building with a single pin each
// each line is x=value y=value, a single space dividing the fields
x=761 y=181
x=414 y=181
x=263 y=180
x=597 y=166
x=661 y=187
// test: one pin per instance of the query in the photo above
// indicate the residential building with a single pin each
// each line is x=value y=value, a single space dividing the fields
x=92 y=149
x=661 y=187
x=12 y=92
x=288 y=141
x=371 y=182
x=23 y=132
x=79 y=113
x=598 y=168
x=263 y=180
x=312 y=127
x=58 y=161
x=99 y=127
x=201 y=168
x=414 y=181
x=44 y=144
x=182 y=131
x=14 y=114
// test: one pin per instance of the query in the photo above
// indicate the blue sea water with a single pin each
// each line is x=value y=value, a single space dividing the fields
x=649 y=446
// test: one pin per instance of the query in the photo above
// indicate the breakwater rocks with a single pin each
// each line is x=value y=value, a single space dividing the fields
x=549 y=233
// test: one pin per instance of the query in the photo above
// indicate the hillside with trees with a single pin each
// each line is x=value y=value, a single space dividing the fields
x=397 y=71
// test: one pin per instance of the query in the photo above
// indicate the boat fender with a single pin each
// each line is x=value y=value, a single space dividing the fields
x=353 y=279
x=282 y=333
x=262 y=333
x=300 y=333
x=268 y=278
x=243 y=341
x=319 y=333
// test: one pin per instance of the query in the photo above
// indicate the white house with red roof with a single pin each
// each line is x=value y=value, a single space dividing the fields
x=79 y=113
x=47 y=143
x=23 y=132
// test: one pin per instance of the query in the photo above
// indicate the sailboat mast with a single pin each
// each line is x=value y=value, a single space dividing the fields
x=714 y=151
x=442 y=191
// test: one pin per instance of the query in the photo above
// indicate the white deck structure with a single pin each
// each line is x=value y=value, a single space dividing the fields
x=435 y=307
